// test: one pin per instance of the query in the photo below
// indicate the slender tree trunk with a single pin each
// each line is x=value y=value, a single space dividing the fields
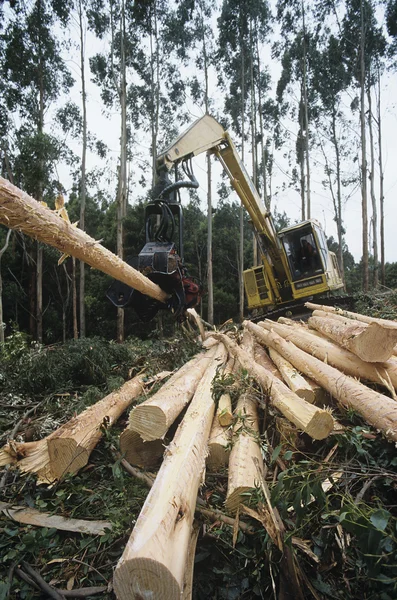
x=210 y=284
x=339 y=196
x=122 y=200
x=83 y=169
x=74 y=296
x=2 y=325
x=364 y=208
x=381 y=190
x=241 y=248
x=306 y=114
x=39 y=260
x=372 y=191
x=266 y=197
x=301 y=161
x=253 y=136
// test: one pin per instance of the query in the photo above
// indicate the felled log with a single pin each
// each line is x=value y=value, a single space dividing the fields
x=378 y=410
x=153 y=562
x=243 y=475
x=20 y=211
x=138 y=452
x=351 y=315
x=67 y=449
x=224 y=411
x=315 y=422
x=295 y=381
x=31 y=516
x=154 y=416
x=371 y=343
x=338 y=357
x=264 y=360
x=188 y=577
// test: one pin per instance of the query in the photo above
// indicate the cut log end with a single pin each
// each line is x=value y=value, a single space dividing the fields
x=149 y=421
x=143 y=579
x=237 y=497
x=140 y=453
x=307 y=395
x=66 y=456
x=320 y=425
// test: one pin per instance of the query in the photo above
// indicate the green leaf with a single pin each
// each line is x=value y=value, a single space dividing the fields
x=275 y=453
x=288 y=455
x=380 y=519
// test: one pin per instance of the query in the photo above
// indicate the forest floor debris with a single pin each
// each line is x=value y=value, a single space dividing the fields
x=322 y=518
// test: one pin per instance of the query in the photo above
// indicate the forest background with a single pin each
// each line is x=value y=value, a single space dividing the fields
x=299 y=85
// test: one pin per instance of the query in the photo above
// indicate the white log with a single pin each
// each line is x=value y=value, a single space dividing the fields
x=154 y=559
x=138 y=452
x=351 y=315
x=154 y=416
x=20 y=211
x=315 y=422
x=371 y=343
x=338 y=357
x=378 y=410
x=295 y=381
x=243 y=473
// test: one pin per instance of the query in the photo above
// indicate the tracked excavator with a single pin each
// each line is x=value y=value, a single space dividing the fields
x=295 y=263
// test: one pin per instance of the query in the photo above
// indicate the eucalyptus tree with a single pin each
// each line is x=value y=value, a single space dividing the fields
x=296 y=46
x=360 y=23
x=241 y=25
x=36 y=77
x=190 y=30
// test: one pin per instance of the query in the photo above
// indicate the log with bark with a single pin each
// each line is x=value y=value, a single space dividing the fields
x=20 y=211
x=338 y=357
x=243 y=475
x=295 y=381
x=154 y=416
x=378 y=410
x=315 y=422
x=371 y=343
x=67 y=449
x=153 y=562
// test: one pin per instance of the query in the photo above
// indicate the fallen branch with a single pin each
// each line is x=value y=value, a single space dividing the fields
x=31 y=516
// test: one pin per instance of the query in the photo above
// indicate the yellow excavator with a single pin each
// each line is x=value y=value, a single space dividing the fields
x=295 y=263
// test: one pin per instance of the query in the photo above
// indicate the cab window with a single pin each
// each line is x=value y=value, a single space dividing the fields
x=303 y=254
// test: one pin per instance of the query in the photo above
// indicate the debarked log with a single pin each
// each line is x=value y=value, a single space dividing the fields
x=67 y=449
x=154 y=416
x=378 y=410
x=20 y=211
x=371 y=343
x=243 y=473
x=315 y=422
x=338 y=357
x=295 y=381
x=154 y=560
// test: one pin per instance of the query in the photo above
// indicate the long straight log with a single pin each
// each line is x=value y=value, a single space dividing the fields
x=351 y=315
x=224 y=411
x=371 y=343
x=295 y=381
x=154 y=416
x=67 y=449
x=334 y=355
x=378 y=410
x=220 y=435
x=153 y=562
x=243 y=474
x=315 y=422
x=20 y=211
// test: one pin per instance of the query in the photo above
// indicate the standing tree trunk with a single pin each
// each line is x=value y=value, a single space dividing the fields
x=306 y=117
x=338 y=204
x=122 y=187
x=2 y=325
x=372 y=191
x=83 y=171
x=39 y=261
x=381 y=192
x=74 y=299
x=241 y=247
x=364 y=208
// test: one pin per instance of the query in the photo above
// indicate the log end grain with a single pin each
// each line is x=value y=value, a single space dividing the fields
x=66 y=456
x=145 y=579
x=149 y=421
x=320 y=425
x=140 y=453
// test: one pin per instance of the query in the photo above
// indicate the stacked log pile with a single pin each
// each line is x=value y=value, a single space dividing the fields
x=295 y=372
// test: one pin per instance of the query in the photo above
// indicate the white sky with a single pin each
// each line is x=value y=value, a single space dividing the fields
x=107 y=129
